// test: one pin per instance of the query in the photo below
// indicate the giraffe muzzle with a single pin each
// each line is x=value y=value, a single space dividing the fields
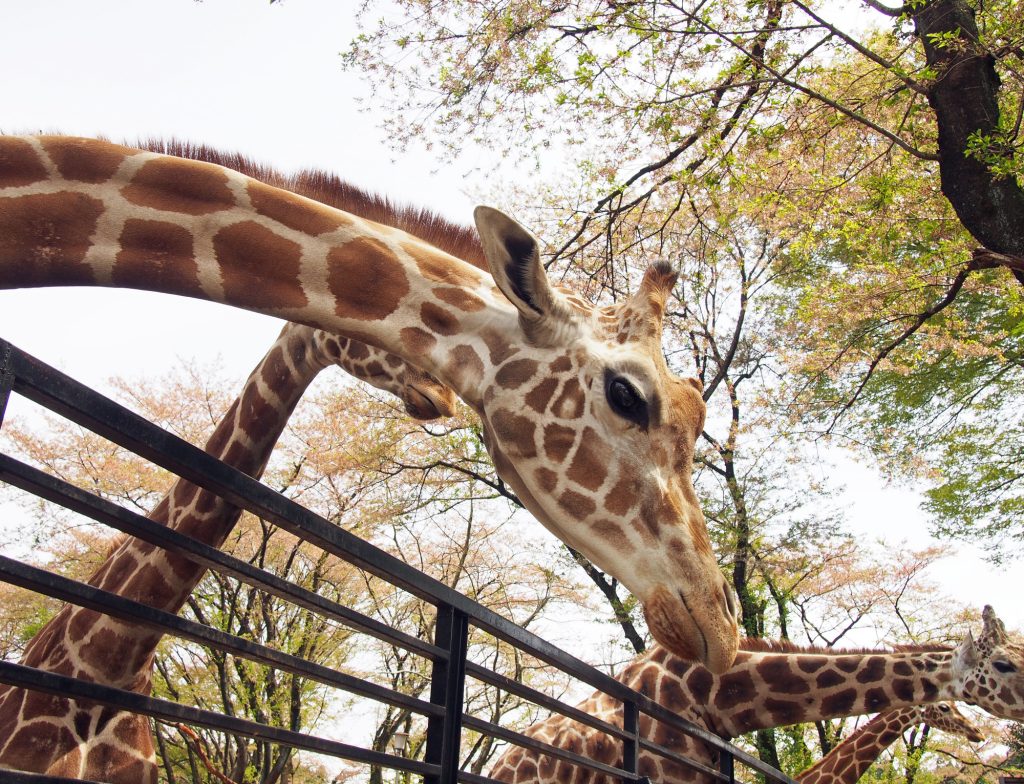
x=704 y=632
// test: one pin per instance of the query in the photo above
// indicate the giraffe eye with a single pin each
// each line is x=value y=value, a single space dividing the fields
x=1004 y=667
x=625 y=400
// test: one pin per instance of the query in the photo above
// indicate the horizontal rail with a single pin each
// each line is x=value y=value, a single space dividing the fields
x=39 y=483
x=93 y=598
x=39 y=680
x=497 y=731
x=21 y=777
x=505 y=683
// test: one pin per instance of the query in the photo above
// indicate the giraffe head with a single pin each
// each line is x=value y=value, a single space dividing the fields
x=990 y=671
x=947 y=717
x=587 y=424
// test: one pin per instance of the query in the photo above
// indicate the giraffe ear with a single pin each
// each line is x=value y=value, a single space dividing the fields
x=966 y=654
x=993 y=627
x=514 y=258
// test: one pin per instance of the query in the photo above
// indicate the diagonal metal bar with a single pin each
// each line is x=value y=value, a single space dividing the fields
x=42 y=581
x=39 y=680
x=19 y=474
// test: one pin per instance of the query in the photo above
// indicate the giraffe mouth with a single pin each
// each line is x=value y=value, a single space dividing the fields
x=709 y=638
x=422 y=402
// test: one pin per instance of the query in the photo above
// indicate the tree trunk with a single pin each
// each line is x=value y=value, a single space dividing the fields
x=964 y=97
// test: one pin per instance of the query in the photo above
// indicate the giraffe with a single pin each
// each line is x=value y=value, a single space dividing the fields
x=849 y=760
x=62 y=737
x=771 y=688
x=579 y=411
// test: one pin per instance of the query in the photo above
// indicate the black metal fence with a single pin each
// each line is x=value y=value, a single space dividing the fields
x=25 y=375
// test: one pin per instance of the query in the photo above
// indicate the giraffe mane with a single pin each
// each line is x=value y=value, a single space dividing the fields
x=757 y=645
x=328 y=188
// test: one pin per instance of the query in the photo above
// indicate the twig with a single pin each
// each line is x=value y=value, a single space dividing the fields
x=196 y=742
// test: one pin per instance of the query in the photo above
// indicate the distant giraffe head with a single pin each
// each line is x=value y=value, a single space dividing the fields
x=990 y=671
x=947 y=717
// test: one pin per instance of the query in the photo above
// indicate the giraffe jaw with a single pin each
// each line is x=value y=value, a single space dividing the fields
x=675 y=625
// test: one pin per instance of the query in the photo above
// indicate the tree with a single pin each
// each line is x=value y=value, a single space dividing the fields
x=884 y=181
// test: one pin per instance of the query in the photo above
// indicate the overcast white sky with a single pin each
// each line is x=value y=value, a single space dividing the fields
x=264 y=80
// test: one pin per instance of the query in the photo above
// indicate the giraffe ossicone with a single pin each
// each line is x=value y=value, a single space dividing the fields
x=579 y=410
x=766 y=688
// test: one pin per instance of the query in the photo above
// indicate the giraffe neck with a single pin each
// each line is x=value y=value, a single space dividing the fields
x=220 y=236
x=114 y=746
x=768 y=689
x=849 y=760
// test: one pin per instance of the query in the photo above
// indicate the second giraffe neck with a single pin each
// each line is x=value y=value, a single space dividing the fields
x=244 y=437
x=764 y=690
x=848 y=761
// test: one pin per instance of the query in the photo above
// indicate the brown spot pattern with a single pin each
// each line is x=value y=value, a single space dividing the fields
x=558 y=440
x=439 y=320
x=366 y=278
x=19 y=164
x=546 y=478
x=465 y=365
x=442 y=268
x=777 y=673
x=589 y=465
x=463 y=300
x=840 y=703
x=514 y=374
x=570 y=403
x=515 y=433
x=828 y=679
x=156 y=253
x=293 y=211
x=810 y=663
x=499 y=346
x=539 y=397
x=259 y=269
x=578 y=506
x=43 y=239
x=734 y=688
x=178 y=185
x=872 y=671
x=84 y=160
x=417 y=340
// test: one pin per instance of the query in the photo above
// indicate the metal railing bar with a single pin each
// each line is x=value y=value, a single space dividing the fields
x=668 y=754
x=497 y=731
x=474 y=778
x=505 y=683
x=93 y=598
x=102 y=511
x=39 y=680
x=448 y=688
x=67 y=397
x=24 y=777
x=6 y=378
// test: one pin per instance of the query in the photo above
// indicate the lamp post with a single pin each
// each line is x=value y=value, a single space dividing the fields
x=399 y=743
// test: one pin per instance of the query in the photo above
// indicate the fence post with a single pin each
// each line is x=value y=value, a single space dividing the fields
x=726 y=765
x=447 y=687
x=630 y=744
x=6 y=378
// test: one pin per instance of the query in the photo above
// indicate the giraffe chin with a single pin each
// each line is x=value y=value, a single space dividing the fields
x=673 y=625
